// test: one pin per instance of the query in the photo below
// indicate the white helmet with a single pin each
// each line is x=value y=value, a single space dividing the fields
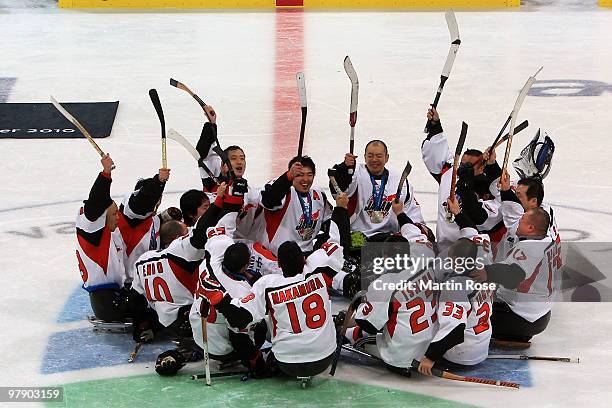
x=536 y=158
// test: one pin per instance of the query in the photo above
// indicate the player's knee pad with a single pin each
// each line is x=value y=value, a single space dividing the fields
x=169 y=363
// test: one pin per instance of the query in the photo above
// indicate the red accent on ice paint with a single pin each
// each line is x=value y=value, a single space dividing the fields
x=289 y=60
x=289 y=3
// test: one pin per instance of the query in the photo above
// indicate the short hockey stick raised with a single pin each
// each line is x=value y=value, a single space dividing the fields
x=78 y=125
x=522 y=126
x=160 y=114
x=517 y=106
x=184 y=87
x=350 y=71
x=177 y=137
x=450 y=376
x=301 y=84
x=403 y=179
x=453 y=29
x=540 y=358
x=458 y=150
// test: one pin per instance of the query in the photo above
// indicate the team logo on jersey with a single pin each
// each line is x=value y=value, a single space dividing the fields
x=306 y=229
x=377 y=216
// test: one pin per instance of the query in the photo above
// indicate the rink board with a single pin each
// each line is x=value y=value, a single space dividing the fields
x=307 y=4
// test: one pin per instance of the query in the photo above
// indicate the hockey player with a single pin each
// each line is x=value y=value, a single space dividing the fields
x=530 y=246
x=139 y=222
x=227 y=169
x=193 y=204
x=297 y=303
x=400 y=306
x=293 y=210
x=166 y=279
x=438 y=159
x=372 y=189
x=100 y=250
x=463 y=314
x=232 y=263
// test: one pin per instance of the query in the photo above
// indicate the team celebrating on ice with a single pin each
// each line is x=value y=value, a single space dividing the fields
x=246 y=274
x=242 y=274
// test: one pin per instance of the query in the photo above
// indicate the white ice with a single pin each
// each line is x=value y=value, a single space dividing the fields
x=229 y=59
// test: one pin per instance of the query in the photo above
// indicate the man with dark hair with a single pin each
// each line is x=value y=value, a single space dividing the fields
x=100 y=249
x=193 y=204
x=530 y=192
x=298 y=303
x=473 y=184
x=371 y=188
x=293 y=210
x=249 y=223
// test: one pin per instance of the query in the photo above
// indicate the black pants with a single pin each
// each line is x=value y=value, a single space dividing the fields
x=305 y=369
x=509 y=326
x=110 y=305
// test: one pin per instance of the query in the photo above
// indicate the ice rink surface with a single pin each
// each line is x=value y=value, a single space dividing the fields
x=244 y=64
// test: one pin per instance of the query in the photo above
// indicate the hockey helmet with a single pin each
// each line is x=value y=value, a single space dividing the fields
x=536 y=158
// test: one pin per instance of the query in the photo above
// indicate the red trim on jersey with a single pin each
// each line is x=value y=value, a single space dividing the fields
x=274 y=218
x=356 y=333
x=106 y=175
x=188 y=280
x=263 y=251
x=446 y=167
x=99 y=254
x=328 y=280
x=133 y=236
x=525 y=285
x=392 y=322
x=352 y=204
x=274 y=323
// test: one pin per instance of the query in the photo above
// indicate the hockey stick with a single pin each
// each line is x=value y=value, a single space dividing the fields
x=340 y=336
x=78 y=125
x=183 y=87
x=513 y=115
x=331 y=173
x=160 y=114
x=219 y=375
x=453 y=29
x=458 y=150
x=360 y=352
x=177 y=137
x=301 y=83
x=350 y=71
x=205 y=348
x=523 y=357
x=518 y=129
x=403 y=179
x=450 y=376
x=134 y=353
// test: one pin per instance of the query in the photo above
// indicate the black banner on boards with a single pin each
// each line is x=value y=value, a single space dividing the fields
x=43 y=121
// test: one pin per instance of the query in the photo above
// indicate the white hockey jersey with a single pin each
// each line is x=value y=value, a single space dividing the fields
x=471 y=307
x=220 y=238
x=101 y=266
x=168 y=278
x=405 y=314
x=290 y=222
x=365 y=198
x=438 y=158
x=138 y=239
x=299 y=308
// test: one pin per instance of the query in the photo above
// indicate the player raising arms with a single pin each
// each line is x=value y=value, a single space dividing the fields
x=297 y=302
x=228 y=169
x=100 y=249
x=372 y=189
x=471 y=178
x=293 y=210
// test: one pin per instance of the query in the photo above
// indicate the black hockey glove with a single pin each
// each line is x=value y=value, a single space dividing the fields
x=169 y=363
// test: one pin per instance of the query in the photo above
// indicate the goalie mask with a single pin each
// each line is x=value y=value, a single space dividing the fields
x=536 y=157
